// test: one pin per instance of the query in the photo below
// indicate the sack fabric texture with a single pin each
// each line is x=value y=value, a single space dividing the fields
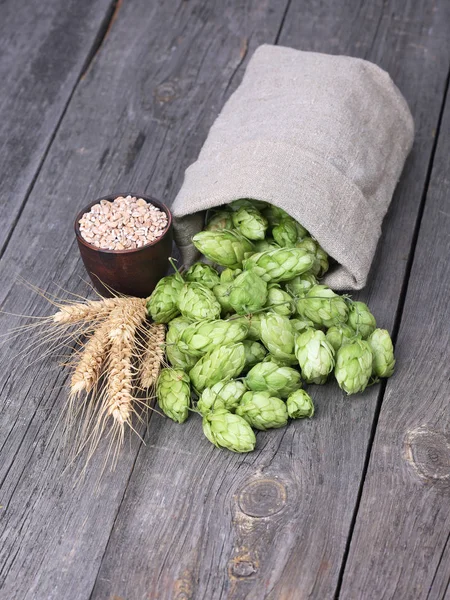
x=323 y=137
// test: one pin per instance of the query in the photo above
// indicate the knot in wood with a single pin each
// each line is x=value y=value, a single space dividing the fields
x=429 y=452
x=262 y=498
x=242 y=568
x=165 y=92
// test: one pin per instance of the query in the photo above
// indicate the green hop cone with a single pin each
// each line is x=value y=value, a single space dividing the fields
x=275 y=215
x=254 y=353
x=251 y=223
x=285 y=233
x=301 y=325
x=162 y=305
x=270 y=377
x=301 y=284
x=361 y=319
x=219 y=220
x=247 y=203
x=301 y=231
x=263 y=245
x=203 y=273
x=220 y=364
x=278 y=337
x=300 y=405
x=262 y=411
x=254 y=332
x=226 y=430
x=279 y=300
x=323 y=307
x=202 y=336
x=222 y=294
x=226 y=248
x=224 y=394
x=320 y=266
x=315 y=356
x=338 y=334
x=174 y=394
x=281 y=264
x=354 y=366
x=229 y=275
x=175 y=356
x=248 y=293
x=197 y=302
x=383 y=353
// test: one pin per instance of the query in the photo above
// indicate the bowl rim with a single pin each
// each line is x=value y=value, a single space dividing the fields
x=110 y=198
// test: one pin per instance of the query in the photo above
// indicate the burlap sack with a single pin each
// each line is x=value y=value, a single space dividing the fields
x=324 y=137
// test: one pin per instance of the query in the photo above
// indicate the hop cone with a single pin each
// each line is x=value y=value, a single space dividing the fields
x=226 y=248
x=354 y=366
x=300 y=405
x=278 y=337
x=254 y=353
x=222 y=294
x=301 y=284
x=203 y=273
x=247 y=203
x=275 y=215
x=301 y=231
x=320 y=265
x=279 y=265
x=315 y=356
x=285 y=233
x=224 y=394
x=220 y=220
x=338 y=334
x=323 y=307
x=226 y=430
x=173 y=393
x=267 y=244
x=203 y=336
x=383 y=353
x=251 y=223
x=229 y=275
x=254 y=333
x=279 y=300
x=197 y=302
x=220 y=364
x=322 y=259
x=269 y=377
x=361 y=319
x=262 y=411
x=162 y=305
x=248 y=293
x=175 y=356
x=301 y=325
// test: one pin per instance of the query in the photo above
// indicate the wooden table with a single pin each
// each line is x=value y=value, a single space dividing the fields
x=99 y=96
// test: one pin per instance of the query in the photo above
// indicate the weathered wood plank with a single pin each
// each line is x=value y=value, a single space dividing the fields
x=403 y=523
x=44 y=48
x=136 y=120
x=274 y=524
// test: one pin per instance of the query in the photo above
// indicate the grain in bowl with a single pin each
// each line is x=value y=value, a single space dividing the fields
x=125 y=223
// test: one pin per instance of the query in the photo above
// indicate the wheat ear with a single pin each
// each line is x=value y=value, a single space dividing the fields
x=86 y=374
x=90 y=310
x=125 y=322
x=153 y=355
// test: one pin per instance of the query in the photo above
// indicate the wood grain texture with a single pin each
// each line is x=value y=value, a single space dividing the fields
x=403 y=524
x=287 y=539
x=137 y=118
x=44 y=47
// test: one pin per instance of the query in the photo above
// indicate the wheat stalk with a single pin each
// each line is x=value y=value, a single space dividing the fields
x=153 y=355
x=86 y=374
x=90 y=310
x=125 y=322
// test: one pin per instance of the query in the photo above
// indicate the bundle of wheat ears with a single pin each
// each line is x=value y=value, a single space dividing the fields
x=117 y=359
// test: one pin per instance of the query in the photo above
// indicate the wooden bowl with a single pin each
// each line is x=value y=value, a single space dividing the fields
x=132 y=272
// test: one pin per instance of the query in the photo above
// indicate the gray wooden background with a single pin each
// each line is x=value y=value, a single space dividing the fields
x=98 y=96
